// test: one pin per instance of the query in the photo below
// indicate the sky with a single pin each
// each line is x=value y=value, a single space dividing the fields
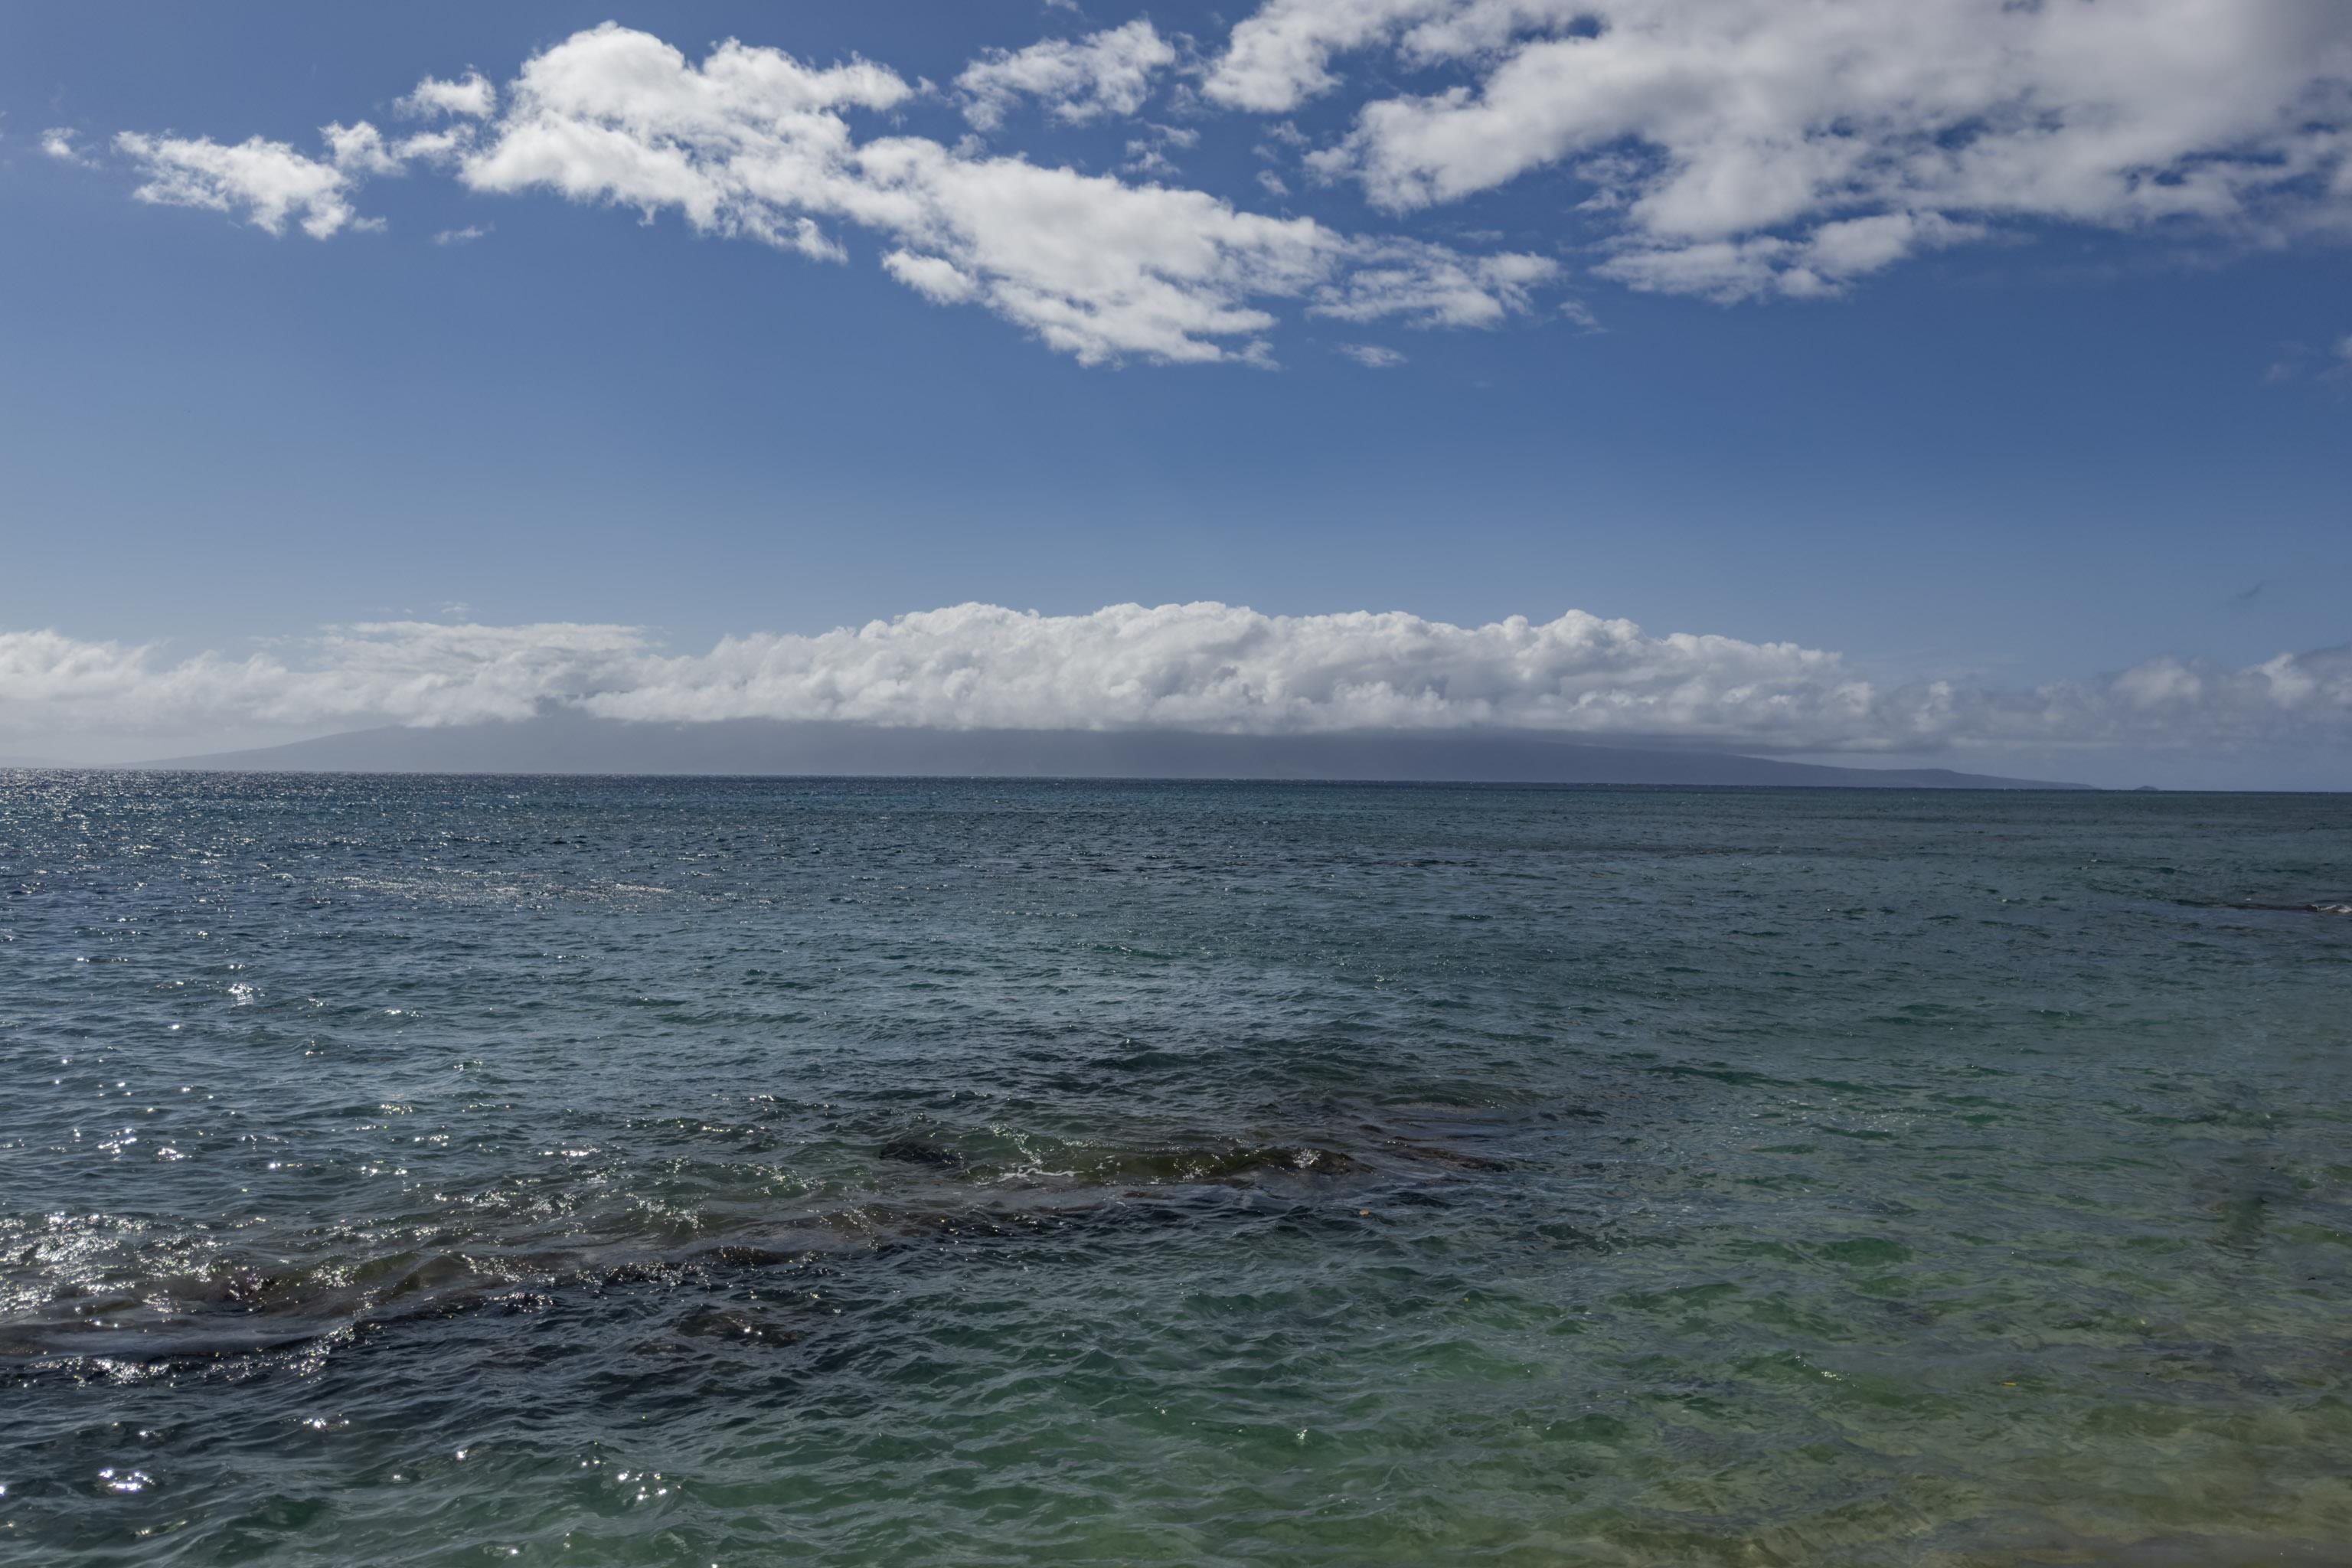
x=1941 y=381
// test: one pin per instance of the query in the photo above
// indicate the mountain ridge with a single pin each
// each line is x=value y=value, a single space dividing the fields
x=557 y=744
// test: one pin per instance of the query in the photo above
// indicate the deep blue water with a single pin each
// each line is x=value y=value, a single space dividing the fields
x=562 y=1171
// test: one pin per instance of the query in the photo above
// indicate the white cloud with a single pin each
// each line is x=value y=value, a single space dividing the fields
x=1583 y=315
x=935 y=280
x=752 y=142
x=1745 y=146
x=1202 y=667
x=58 y=142
x=1280 y=55
x=1821 y=264
x=469 y=97
x=268 y=183
x=1729 y=148
x=1372 y=356
x=443 y=147
x=359 y=150
x=1108 y=72
x=1430 y=285
x=738 y=144
x=1148 y=154
x=405 y=672
x=466 y=236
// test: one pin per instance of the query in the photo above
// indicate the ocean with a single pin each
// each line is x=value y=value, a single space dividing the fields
x=581 y=1171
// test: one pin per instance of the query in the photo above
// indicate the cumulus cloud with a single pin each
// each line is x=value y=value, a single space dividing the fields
x=1739 y=147
x=268 y=183
x=742 y=145
x=1105 y=73
x=1201 y=667
x=470 y=97
x=753 y=143
x=1730 y=149
x=1280 y=55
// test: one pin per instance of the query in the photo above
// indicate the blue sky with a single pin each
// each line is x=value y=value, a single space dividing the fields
x=2050 y=451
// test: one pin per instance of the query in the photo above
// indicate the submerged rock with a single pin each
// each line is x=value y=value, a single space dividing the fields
x=920 y=1152
x=1225 y=1165
x=741 y=1326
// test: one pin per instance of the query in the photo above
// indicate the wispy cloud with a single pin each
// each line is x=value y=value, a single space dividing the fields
x=1372 y=356
x=1200 y=667
x=1150 y=154
x=1106 y=73
x=57 y=142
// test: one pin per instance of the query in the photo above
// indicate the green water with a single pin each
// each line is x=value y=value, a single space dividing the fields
x=673 y=1171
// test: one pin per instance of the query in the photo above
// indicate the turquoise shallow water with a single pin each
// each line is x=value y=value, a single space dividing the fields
x=442 y=1171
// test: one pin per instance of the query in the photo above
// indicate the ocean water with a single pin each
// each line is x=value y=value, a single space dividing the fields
x=562 y=1171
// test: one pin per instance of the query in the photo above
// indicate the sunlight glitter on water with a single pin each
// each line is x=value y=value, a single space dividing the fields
x=1178 y=1174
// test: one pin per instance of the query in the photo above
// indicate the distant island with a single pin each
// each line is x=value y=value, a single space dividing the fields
x=563 y=743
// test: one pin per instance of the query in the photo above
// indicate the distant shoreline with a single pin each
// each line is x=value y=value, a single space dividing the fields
x=198 y=770
x=560 y=745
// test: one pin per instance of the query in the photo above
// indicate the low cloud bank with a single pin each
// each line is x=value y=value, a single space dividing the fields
x=1208 y=668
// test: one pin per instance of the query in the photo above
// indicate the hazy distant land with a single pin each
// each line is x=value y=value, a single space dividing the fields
x=565 y=744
